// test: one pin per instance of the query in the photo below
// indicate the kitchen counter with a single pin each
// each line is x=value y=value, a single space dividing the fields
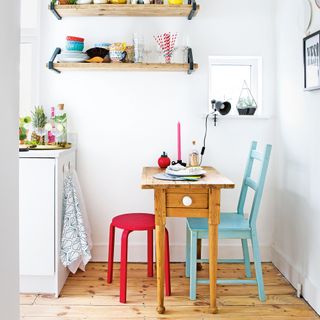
x=45 y=153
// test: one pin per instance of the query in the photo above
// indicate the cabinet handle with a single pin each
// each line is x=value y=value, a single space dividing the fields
x=187 y=201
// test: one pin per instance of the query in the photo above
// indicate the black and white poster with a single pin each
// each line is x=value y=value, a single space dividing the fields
x=311 y=46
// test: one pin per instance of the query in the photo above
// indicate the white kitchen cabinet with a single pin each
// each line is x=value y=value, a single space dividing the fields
x=40 y=204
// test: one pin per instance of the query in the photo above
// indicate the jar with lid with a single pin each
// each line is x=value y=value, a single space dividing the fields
x=194 y=159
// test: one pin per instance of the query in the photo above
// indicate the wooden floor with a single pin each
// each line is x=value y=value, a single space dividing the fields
x=88 y=296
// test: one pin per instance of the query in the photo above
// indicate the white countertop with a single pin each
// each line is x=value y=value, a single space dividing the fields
x=45 y=153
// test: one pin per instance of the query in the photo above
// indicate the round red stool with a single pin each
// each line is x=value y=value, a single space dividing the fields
x=135 y=222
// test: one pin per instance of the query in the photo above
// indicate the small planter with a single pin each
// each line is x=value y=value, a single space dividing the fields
x=247 y=111
x=64 y=2
x=246 y=105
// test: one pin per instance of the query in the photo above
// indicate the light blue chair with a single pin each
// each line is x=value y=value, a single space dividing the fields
x=233 y=226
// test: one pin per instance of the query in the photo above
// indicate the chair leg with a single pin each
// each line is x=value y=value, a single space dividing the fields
x=123 y=266
x=167 y=265
x=257 y=264
x=187 y=252
x=111 y=253
x=193 y=265
x=246 y=257
x=150 y=253
x=199 y=249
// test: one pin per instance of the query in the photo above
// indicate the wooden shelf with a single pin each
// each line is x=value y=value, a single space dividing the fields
x=131 y=10
x=173 y=67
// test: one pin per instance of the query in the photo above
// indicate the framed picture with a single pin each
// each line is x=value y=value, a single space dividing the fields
x=311 y=54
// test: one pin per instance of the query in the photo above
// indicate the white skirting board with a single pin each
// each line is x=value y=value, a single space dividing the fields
x=310 y=292
x=138 y=252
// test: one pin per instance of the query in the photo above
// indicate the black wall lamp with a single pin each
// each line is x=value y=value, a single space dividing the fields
x=219 y=107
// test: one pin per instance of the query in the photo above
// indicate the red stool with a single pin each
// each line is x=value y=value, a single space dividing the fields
x=135 y=222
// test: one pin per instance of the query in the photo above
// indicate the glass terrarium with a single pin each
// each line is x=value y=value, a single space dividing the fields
x=246 y=104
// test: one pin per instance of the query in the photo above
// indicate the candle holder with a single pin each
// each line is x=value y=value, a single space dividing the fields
x=179 y=162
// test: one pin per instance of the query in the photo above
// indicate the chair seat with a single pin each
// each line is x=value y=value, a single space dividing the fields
x=228 y=222
x=134 y=221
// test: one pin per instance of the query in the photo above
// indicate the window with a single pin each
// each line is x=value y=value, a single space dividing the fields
x=227 y=78
x=29 y=55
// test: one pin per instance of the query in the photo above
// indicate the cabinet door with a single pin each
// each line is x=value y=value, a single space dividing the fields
x=36 y=206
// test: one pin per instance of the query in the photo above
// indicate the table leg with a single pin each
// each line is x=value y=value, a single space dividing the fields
x=213 y=221
x=160 y=220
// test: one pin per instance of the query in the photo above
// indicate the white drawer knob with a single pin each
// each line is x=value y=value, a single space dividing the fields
x=187 y=201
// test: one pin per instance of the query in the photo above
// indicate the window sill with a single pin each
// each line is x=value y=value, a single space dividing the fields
x=238 y=117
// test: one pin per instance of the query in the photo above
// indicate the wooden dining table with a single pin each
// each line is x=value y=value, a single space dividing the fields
x=184 y=199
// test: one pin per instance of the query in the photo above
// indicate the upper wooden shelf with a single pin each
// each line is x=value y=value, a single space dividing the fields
x=129 y=10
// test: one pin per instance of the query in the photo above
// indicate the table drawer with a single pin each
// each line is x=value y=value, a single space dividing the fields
x=187 y=200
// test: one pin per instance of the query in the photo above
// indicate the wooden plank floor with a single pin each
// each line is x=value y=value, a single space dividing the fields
x=88 y=296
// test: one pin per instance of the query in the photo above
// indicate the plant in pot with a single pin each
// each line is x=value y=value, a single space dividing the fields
x=39 y=121
x=23 y=128
x=63 y=2
x=246 y=104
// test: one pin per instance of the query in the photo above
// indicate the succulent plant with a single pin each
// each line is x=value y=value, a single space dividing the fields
x=246 y=102
x=39 y=118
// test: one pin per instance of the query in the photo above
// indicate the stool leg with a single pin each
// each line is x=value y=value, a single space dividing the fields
x=150 y=253
x=167 y=265
x=123 y=266
x=111 y=253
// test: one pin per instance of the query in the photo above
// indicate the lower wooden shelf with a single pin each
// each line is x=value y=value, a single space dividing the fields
x=82 y=66
x=124 y=66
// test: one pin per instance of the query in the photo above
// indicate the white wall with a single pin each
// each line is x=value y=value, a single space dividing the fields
x=296 y=238
x=125 y=120
x=9 y=79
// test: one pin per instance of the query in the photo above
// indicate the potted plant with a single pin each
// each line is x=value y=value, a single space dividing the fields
x=23 y=128
x=39 y=121
x=246 y=104
x=64 y=2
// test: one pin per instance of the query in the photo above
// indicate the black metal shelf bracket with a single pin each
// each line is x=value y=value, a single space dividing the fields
x=50 y=64
x=190 y=61
x=193 y=9
x=54 y=11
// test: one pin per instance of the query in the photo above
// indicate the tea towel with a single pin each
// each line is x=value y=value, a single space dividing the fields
x=76 y=243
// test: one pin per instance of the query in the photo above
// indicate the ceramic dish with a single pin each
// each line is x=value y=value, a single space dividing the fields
x=71 y=38
x=84 y=1
x=186 y=173
x=74 y=45
x=69 y=57
x=97 y=52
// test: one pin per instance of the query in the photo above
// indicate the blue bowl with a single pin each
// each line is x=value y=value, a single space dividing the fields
x=74 y=46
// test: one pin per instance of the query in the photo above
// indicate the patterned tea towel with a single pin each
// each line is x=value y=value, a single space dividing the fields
x=76 y=240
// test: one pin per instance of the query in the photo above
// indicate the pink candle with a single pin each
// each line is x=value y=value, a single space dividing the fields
x=179 y=141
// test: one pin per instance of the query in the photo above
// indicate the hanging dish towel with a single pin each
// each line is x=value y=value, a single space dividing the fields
x=76 y=240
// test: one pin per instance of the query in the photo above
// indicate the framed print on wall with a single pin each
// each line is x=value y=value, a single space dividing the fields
x=311 y=55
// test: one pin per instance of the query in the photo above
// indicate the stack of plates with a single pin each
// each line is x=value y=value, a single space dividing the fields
x=173 y=173
x=72 y=56
x=187 y=172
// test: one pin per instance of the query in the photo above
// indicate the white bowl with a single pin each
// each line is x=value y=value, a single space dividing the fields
x=84 y=1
